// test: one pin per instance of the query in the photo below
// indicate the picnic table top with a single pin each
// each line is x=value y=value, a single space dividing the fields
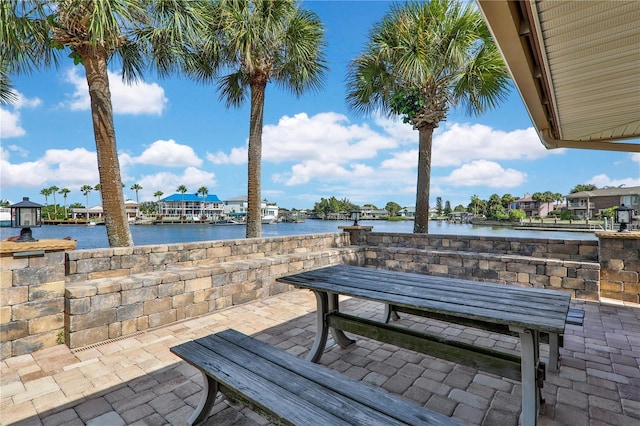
x=518 y=307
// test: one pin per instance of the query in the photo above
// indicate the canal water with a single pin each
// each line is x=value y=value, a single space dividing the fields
x=96 y=236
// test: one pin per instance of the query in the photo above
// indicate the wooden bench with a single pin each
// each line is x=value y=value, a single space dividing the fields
x=289 y=390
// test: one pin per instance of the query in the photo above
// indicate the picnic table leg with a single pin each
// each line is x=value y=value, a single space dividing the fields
x=338 y=335
x=209 y=392
x=320 y=342
x=554 y=351
x=389 y=311
x=529 y=367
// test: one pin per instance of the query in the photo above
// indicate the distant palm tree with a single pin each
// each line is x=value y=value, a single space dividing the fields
x=86 y=189
x=54 y=189
x=127 y=32
x=64 y=192
x=259 y=42
x=46 y=192
x=204 y=191
x=158 y=194
x=182 y=189
x=136 y=187
x=422 y=59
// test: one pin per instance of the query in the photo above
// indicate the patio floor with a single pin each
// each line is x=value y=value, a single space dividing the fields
x=137 y=381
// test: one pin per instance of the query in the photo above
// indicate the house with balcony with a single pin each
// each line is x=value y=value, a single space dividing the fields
x=588 y=204
x=237 y=207
x=190 y=206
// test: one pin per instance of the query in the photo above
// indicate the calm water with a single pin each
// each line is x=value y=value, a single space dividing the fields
x=96 y=236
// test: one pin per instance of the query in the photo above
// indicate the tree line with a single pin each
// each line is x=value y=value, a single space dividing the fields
x=496 y=207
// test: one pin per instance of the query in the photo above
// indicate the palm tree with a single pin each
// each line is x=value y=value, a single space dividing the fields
x=475 y=200
x=158 y=194
x=64 y=192
x=136 y=187
x=86 y=189
x=46 y=192
x=204 y=191
x=95 y=32
x=54 y=189
x=257 y=42
x=182 y=189
x=422 y=59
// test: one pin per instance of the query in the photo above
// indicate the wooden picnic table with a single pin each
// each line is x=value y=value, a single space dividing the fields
x=523 y=311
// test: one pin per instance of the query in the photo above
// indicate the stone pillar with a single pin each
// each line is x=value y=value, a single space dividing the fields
x=619 y=254
x=31 y=295
x=358 y=234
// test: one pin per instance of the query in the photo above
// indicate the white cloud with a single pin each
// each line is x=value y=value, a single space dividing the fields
x=603 y=180
x=69 y=168
x=136 y=98
x=307 y=170
x=461 y=143
x=10 y=120
x=402 y=160
x=193 y=178
x=326 y=137
x=485 y=173
x=635 y=157
x=168 y=153
x=10 y=124
x=24 y=102
x=236 y=156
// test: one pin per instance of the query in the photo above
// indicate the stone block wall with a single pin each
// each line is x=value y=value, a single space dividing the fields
x=106 y=308
x=533 y=247
x=581 y=279
x=92 y=264
x=32 y=301
x=620 y=260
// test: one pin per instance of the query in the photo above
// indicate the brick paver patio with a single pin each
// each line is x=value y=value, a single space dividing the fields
x=137 y=381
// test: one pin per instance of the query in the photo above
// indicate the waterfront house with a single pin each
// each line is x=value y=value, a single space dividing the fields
x=190 y=206
x=237 y=206
x=531 y=207
x=587 y=204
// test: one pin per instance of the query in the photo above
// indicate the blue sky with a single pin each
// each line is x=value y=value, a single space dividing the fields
x=173 y=132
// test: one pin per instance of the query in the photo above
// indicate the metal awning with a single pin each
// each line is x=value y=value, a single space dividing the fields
x=576 y=65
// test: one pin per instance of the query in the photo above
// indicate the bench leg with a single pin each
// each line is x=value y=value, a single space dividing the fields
x=338 y=335
x=554 y=352
x=320 y=342
x=209 y=392
x=390 y=312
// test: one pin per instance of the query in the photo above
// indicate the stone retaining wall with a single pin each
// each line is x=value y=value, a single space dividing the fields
x=87 y=296
x=581 y=279
x=106 y=308
x=32 y=301
x=533 y=247
x=620 y=260
x=112 y=262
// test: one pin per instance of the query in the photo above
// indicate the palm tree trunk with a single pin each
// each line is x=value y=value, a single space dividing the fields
x=254 y=218
x=118 y=232
x=421 y=220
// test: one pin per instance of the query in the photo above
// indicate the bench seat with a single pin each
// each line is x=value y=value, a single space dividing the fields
x=289 y=390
